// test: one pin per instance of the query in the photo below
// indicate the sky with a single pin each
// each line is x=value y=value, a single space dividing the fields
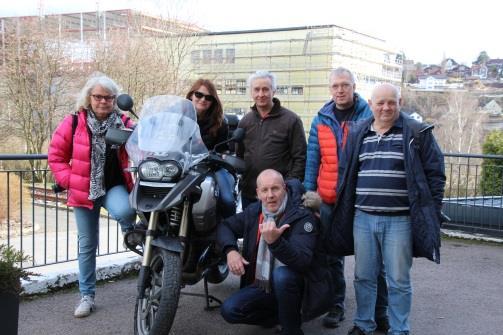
x=426 y=30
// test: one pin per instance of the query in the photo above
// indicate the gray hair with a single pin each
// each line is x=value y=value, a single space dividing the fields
x=262 y=74
x=340 y=71
x=84 y=99
x=395 y=89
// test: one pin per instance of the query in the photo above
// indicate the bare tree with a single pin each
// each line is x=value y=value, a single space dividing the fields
x=148 y=62
x=460 y=127
x=35 y=83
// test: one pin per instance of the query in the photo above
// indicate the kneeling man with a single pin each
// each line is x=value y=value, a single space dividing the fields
x=279 y=240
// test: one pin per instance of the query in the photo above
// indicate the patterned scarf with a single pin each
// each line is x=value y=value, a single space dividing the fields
x=98 y=150
x=265 y=262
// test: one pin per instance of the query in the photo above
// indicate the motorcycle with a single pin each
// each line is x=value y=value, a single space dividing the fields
x=176 y=198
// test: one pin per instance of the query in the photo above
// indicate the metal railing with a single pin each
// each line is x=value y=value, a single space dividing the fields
x=474 y=193
x=36 y=220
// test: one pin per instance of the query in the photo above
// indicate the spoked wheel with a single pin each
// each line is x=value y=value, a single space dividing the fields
x=155 y=312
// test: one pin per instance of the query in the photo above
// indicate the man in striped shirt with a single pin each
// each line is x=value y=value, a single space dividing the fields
x=397 y=170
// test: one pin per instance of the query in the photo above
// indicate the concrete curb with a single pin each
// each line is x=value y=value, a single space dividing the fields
x=56 y=276
x=473 y=237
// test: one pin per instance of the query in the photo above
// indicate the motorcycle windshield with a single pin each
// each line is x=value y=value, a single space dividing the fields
x=167 y=129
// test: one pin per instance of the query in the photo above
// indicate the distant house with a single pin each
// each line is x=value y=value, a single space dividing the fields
x=459 y=71
x=494 y=68
x=448 y=64
x=432 y=70
x=492 y=107
x=432 y=82
x=479 y=71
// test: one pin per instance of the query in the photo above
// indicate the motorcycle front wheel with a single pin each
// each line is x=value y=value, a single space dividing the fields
x=155 y=312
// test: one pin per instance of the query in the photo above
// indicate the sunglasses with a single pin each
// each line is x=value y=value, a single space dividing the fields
x=99 y=97
x=207 y=97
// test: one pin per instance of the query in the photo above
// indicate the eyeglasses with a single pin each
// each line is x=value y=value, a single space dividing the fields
x=207 y=97
x=344 y=86
x=99 y=97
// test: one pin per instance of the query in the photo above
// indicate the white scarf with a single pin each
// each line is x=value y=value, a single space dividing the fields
x=265 y=262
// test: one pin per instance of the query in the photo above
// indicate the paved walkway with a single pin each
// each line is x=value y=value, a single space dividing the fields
x=463 y=296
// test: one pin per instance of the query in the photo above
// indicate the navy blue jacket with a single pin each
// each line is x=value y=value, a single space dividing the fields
x=294 y=248
x=425 y=174
x=297 y=248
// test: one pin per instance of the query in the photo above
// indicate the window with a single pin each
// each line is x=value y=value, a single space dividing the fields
x=241 y=85
x=230 y=86
x=206 y=56
x=219 y=56
x=195 y=57
x=297 y=90
x=230 y=55
x=282 y=90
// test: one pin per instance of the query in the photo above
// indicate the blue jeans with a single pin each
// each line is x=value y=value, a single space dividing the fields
x=226 y=201
x=117 y=204
x=336 y=264
x=252 y=305
x=383 y=239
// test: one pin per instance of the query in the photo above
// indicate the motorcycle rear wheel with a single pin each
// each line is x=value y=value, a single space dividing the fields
x=154 y=314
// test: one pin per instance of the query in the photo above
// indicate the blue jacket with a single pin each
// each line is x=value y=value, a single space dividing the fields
x=324 y=145
x=296 y=248
x=425 y=175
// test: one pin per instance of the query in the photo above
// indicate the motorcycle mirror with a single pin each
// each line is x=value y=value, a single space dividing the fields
x=238 y=135
x=125 y=102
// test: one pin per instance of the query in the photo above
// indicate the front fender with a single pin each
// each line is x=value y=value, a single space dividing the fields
x=168 y=243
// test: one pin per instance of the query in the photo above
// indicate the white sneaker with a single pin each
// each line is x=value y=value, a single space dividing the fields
x=85 y=307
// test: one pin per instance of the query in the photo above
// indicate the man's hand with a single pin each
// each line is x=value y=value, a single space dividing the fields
x=312 y=200
x=270 y=232
x=236 y=263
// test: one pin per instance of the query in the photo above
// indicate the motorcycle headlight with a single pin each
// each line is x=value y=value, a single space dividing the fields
x=154 y=170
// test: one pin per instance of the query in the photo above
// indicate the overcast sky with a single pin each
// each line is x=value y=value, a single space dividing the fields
x=426 y=30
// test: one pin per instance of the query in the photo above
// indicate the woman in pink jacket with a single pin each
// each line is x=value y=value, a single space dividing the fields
x=93 y=173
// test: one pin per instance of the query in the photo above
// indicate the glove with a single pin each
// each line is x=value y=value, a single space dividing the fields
x=312 y=200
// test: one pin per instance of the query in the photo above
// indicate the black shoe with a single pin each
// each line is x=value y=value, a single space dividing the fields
x=333 y=317
x=382 y=324
x=357 y=331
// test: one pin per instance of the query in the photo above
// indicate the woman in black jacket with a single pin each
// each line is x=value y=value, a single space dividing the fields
x=214 y=130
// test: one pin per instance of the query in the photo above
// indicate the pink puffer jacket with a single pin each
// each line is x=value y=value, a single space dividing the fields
x=71 y=167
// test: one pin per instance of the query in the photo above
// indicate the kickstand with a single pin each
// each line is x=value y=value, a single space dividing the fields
x=211 y=301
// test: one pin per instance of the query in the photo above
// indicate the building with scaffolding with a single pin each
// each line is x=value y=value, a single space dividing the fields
x=81 y=29
x=301 y=57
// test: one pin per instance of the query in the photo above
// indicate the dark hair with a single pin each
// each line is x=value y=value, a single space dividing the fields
x=215 y=112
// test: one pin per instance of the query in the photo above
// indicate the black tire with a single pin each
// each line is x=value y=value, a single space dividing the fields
x=154 y=314
x=218 y=272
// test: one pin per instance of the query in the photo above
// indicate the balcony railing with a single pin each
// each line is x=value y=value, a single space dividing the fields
x=36 y=220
